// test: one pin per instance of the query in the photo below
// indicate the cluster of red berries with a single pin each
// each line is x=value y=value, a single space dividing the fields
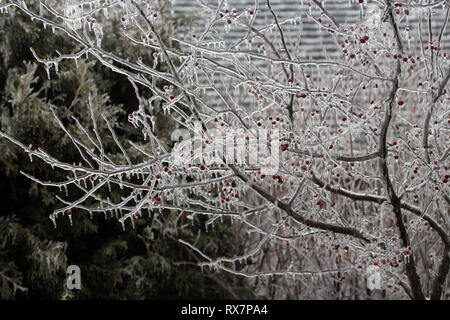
x=399 y=5
x=157 y=199
x=364 y=39
x=284 y=146
x=271 y=120
x=278 y=178
x=431 y=46
x=132 y=116
x=228 y=193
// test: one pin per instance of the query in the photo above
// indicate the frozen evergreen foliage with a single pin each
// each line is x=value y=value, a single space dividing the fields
x=359 y=205
x=115 y=264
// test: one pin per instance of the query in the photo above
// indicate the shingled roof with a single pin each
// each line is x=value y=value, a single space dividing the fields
x=298 y=26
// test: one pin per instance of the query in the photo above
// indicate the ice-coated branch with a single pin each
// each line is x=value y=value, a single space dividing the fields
x=325 y=160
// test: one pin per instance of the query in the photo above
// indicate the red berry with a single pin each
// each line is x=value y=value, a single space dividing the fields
x=400 y=102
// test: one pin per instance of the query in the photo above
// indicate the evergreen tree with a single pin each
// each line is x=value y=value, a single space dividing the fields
x=115 y=264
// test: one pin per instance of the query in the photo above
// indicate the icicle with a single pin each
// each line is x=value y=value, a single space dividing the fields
x=120 y=182
x=47 y=69
x=98 y=33
x=53 y=218
x=144 y=132
x=155 y=59
x=153 y=121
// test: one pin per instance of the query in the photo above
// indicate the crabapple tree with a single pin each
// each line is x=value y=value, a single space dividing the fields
x=332 y=169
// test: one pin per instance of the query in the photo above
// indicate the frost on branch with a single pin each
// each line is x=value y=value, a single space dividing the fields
x=356 y=105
